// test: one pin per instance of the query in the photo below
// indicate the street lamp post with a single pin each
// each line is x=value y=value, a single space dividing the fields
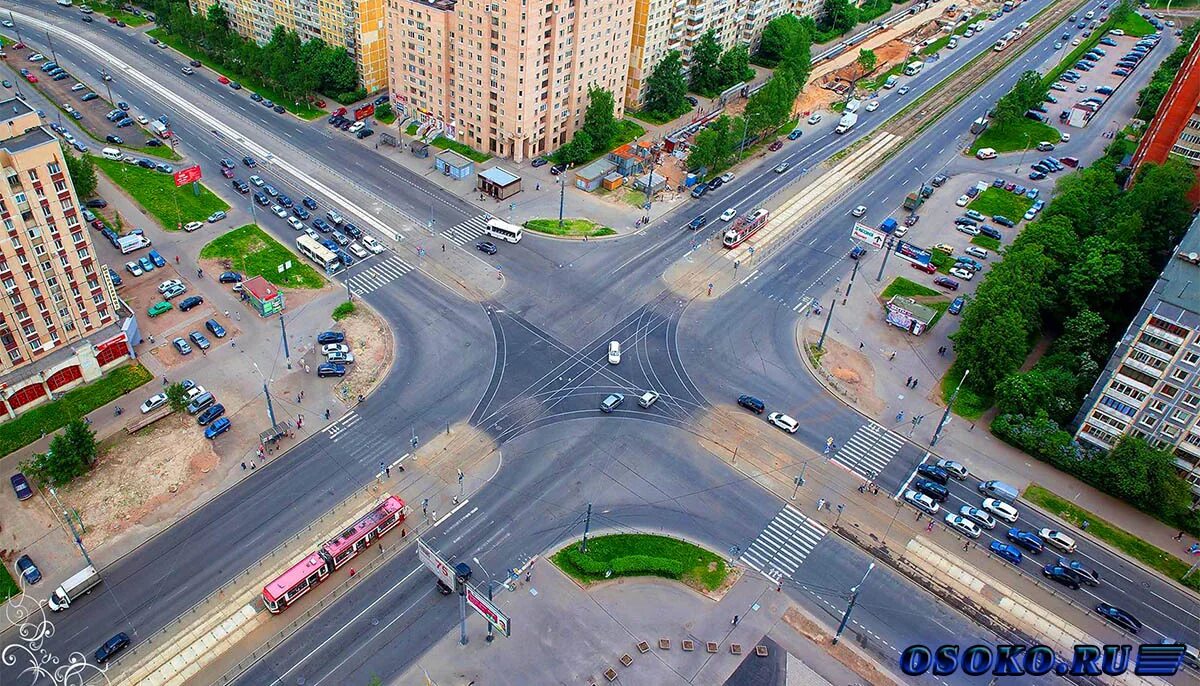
x=267 y=393
x=850 y=606
x=70 y=523
x=946 y=415
x=562 y=193
x=490 y=581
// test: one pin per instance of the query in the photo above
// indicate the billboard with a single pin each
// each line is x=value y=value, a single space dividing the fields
x=866 y=234
x=435 y=564
x=364 y=111
x=489 y=611
x=910 y=252
x=187 y=175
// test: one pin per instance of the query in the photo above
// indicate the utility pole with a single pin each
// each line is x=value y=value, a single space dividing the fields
x=283 y=332
x=850 y=605
x=799 y=481
x=825 y=329
x=562 y=197
x=267 y=393
x=853 y=273
x=587 y=525
x=50 y=43
x=946 y=415
x=70 y=523
x=887 y=248
x=460 y=487
x=490 y=581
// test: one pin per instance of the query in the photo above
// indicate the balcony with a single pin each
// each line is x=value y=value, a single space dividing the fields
x=1145 y=368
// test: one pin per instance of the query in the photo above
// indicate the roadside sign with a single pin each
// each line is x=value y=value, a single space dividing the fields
x=489 y=611
x=862 y=232
x=187 y=175
x=435 y=563
x=910 y=252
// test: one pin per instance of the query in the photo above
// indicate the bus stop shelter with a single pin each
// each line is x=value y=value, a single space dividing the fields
x=498 y=183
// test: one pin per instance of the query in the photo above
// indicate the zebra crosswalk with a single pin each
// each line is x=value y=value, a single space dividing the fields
x=784 y=543
x=379 y=274
x=869 y=450
x=339 y=426
x=467 y=231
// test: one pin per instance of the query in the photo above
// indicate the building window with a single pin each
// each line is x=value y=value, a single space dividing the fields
x=1181 y=416
x=1148 y=420
x=1158 y=405
x=1191 y=358
x=1179 y=375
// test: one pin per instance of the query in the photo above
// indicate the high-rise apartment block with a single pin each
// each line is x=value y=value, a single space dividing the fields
x=508 y=77
x=357 y=25
x=1175 y=129
x=54 y=290
x=1150 y=387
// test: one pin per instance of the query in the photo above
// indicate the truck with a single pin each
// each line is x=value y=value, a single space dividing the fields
x=913 y=68
x=81 y=583
x=853 y=105
x=888 y=225
x=912 y=201
x=160 y=129
x=131 y=242
x=846 y=123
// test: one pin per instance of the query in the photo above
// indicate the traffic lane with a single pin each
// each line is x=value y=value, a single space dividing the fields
x=1164 y=611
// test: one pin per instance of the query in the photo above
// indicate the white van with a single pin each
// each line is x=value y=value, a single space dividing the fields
x=986 y=154
x=614 y=352
x=111 y=154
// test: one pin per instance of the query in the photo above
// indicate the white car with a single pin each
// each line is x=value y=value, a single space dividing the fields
x=1030 y=214
x=170 y=284
x=1075 y=42
x=296 y=223
x=858 y=211
x=979 y=516
x=257 y=180
x=963 y=525
x=815 y=118
x=1001 y=509
x=141 y=119
x=902 y=90
x=371 y=244
x=964 y=274
x=312 y=234
x=278 y=211
x=359 y=251
x=726 y=177
x=1058 y=539
x=154 y=402
x=133 y=268
x=357 y=126
x=728 y=214
x=340 y=358
x=986 y=154
x=614 y=352
x=872 y=106
x=192 y=226
x=900 y=232
x=954 y=469
x=922 y=502
x=1058 y=46
x=78 y=87
x=1082 y=88
x=784 y=422
x=334 y=348
x=1065 y=137
x=962 y=200
x=195 y=391
x=37 y=57
x=967 y=229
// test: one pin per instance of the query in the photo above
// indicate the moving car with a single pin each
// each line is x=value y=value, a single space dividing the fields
x=614 y=352
x=933 y=473
x=1006 y=551
x=1060 y=575
x=858 y=211
x=932 y=489
x=979 y=516
x=1058 y=539
x=728 y=214
x=1119 y=617
x=1082 y=573
x=697 y=222
x=612 y=402
x=371 y=244
x=487 y=247
x=783 y=421
x=781 y=168
x=111 y=647
x=953 y=468
x=922 y=502
x=963 y=525
x=751 y=403
x=1001 y=509
x=1026 y=539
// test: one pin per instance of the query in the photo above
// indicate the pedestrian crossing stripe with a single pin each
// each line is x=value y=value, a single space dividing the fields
x=869 y=450
x=379 y=274
x=339 y=426
x=467 y=231
x=784 y=543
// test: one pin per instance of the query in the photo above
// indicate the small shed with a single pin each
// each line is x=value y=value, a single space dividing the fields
x=613 y=181
x=910 y=315
x=453 y=164
x=263 y=295
x=590 y=176
x=499 y=183
x=650 y=183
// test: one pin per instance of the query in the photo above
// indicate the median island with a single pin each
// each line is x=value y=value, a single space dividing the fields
x=623 y=555
x=571 y=228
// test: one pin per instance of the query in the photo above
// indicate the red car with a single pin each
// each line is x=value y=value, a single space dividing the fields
x=223 y=80
x=1069 y=161
x=341 y=111
x=947 y=283
x=227 y=173
x=927 y=268
x=775 y=146
x=18 y=46
x=112 y=20
x=1010 y=186
x=320 y=103
x=31 y=78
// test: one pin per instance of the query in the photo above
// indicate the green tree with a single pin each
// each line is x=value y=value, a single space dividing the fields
x=83 y=175
x=706 y=56
x=177 y=397
x=1096 y=278
x=772 y=105
x=705 y=152
x=867 y=60
x=577 y=150
x=217 y=16
x=71 y=453
x=1159 y=196
x=666 y=89
x=599 y=121
x=837 y=15
x=735 y=67
x=779 y=36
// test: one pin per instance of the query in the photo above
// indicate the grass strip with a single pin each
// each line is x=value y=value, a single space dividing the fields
x=643 y=555
x=907 y=288
x=173 y=206
x=1165 y=563
x=997 y=201
x=8 y=586
x=253 y=252
x=570 y=227
x=969 y=405
x=1024 y=134
x=47 y=418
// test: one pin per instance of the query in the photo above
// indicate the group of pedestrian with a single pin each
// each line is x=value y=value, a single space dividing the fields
x=942 y=351
x=911 y=383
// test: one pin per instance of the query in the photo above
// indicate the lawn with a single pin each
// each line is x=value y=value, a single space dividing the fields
x=303 y=110
x=655 y=118
x=157 y=193
x=1166 y=563
x=643 y=555
x=1024 y=134
x=877 y=82
x=77 y=402
x=997 y=201
x=254 y=253
x=460 y=148
x=986 y=242
x=636 y=198
x=904 y=287
x=941 y=260
x=387 y=118
x=627 y=131
x=570 y=227
x=8 y=587
x=121 y=15
x=969 y=405
x=1134 y=25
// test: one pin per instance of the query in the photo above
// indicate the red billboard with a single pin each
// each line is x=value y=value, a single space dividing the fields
x=188 y=175
x=364 y=111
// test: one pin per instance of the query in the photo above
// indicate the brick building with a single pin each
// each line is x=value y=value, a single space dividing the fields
x=1175 y=129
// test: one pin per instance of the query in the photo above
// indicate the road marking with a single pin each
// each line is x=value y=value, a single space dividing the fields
x=869 y=450
x=749 y=276
x=783 y=545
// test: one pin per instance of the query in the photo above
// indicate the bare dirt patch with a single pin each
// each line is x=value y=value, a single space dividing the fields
x=857 y=663
x=141 y=479
x=371 y=342
x=853 y=370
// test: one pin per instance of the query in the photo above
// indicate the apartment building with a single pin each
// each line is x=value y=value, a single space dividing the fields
x=508 y=77
x=55 y=292
x=358 y=25
x=1175 y=129
x=1150 y=387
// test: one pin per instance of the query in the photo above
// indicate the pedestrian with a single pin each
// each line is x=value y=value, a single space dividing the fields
x=874 y=490
x=302 y=394
x=908 y=383
x=900 y=416
x=862 y=488
x=1179 y=536
x=914 y=383
x=539 y=186
x=735 y=620
x=352 y=571
x=388 y=471
x=327 y=414
x=967 y=546
x=203 y=352
x=860 y=345
x=177 y=259
x=1085 y=525
x=892 y=356
x=251 y=466
x=930 y=527
x=820 y=504
x=299 y=421
x=443 y=247
x=164 y=381
x=243 y=466
x=227 y=314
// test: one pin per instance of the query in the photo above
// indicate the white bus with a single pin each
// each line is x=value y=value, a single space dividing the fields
x=497 y=228
x=313 y=250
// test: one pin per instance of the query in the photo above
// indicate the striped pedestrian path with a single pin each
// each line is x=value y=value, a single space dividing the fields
x=784 y=543
x=467 y=231
x=379 y=274
x=869 y=450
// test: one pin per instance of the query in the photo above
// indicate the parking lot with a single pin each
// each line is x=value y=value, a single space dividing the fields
x=1082 y=88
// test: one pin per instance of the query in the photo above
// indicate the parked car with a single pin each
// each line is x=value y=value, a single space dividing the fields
x=330 y=337
x=330 y=369
x=20 y=486
x=218 y=427
x=752 y=403
x=28 y=570
x=946 y=282
x=212 y=413
x=214 y=327
x=182 y=346
x=784 y=422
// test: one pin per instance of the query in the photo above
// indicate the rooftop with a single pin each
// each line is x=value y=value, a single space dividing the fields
x=499 y=176
x=13 y=108
x=596 y=169
x=454 y=159
x=1179 y=284
x=260 y=288
x=32 y=138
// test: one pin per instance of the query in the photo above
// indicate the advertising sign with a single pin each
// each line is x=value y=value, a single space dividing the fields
x=489 y=611
x=364 y=111
x=187 y=175
x=435 y=564
x=910 y=252
x=866 y=234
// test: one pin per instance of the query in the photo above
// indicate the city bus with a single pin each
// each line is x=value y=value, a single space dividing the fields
x=313 y=250
x=498 y=228
x=301 y=577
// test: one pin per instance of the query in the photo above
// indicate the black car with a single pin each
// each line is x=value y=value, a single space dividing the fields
x=229 y=277
x=240 y=186
x=249 y=162
x=692 y=100
x=932 y=489
x=96 y=202
x=1119 y=617
x=990 y=231
x=486 y=247
x=716 y=183
x=28 y=569
x=558 y=169
x=934 y=473
x=262 y=199
x=1061 y=575
x=115 y=140
x=363 y=133
x=194 y=63
x=111 y=647
x=327 y=337
x=1003 y=221
x=352 y=230
x=256 y=97
x=154 y=142
x=188 y=303
x=697 y=222
x=123 y=106
x=214 y=327
x=330 y=369
x=321 y=225
x=300 y=213
x=20 y=486
x=309 y=203
x=88 y=97
x=279 y=108
x=751 y=403
x=146 y=164
x=210 y=414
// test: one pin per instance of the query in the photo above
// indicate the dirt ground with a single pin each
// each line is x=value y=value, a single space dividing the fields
x=142 y=479
x=841 y=652
x=853 y=369
x=371 y=342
